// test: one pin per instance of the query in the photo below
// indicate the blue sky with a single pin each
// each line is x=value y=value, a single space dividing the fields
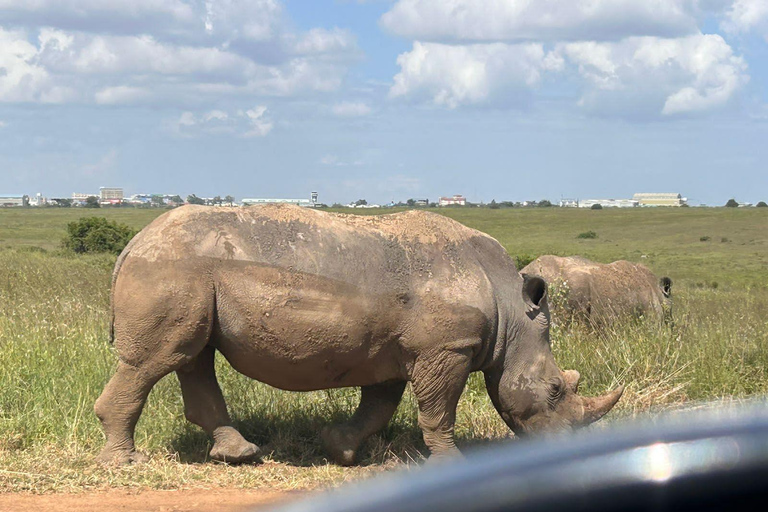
x=383 y=100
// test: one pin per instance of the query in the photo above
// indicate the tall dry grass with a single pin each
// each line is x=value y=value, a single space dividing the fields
x=55 y=359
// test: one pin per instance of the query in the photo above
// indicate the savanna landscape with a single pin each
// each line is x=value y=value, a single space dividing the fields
x=56 y=359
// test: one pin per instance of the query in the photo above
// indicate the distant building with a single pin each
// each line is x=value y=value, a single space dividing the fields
x=421 y=202
x=297 y=202
x=10 y=201
x=569 y=203
x=660 y=199
x=457 y=200
x=608 y=203
x=110 y=194
x=77 y=197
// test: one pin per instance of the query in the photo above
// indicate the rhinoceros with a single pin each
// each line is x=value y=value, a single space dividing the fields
x=307 y=300
x=602 y=292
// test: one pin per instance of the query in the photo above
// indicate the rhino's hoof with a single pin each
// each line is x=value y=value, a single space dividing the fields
x=340 y=445
x=113 y=457
x=235 y=451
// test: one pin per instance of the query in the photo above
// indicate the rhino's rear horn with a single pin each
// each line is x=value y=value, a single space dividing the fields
x=597 y=407
x=572 y=380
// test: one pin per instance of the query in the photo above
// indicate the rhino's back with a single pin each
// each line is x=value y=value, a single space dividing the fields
x=617 y=287
x=379 y=252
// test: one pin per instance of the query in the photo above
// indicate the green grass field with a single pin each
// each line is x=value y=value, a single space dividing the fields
x=55 y=357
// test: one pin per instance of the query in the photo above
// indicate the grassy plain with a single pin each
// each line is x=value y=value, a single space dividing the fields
x=55 y=358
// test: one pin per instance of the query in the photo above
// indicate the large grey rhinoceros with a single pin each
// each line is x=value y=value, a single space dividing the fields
x=305 y=300
x=601 y=292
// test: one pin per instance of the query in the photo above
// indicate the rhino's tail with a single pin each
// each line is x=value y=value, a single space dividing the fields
x=115 y=272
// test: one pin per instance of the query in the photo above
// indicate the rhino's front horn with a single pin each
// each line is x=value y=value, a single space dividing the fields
x=597 y=407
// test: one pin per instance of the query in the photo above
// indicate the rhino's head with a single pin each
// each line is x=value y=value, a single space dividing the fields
x=527 y=388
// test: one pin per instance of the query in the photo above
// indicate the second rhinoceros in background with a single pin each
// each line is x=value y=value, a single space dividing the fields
x=601 y=292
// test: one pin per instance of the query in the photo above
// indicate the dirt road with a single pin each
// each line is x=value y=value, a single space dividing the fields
x=215 y=500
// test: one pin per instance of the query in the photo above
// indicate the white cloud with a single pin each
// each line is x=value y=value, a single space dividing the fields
x=244 y=123
x=652 y=76
x=120 y=95
x=115 y=16
x=335 y=161
x=321 y=41
x=259 y=124
x=747 y=15
x=452 y=76
x=203 y=49
x=22 y=78
x=539 y=20
x=3 y=124
x=351 y=109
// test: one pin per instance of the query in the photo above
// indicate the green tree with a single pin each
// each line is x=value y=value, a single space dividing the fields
x=92 y=202
x=597 y=206
x=732 y=203
x=411 y=203
x=97 y=234
x=494 y=205
x=193 y=199
x=762 y=204
x=176 y=199
x=156 y=200
x=217 y=200
x=545 y=203
x=361 y=202
x=229 y=200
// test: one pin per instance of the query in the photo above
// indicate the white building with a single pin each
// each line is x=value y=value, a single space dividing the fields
x=569 y=203
x=111 y=194
x=456 y=200
x=297 y=202
x=608 y=203
x=660 y=199
x=80 y=198
x=19 y=200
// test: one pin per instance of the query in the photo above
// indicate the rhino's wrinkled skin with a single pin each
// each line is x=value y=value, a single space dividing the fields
x=601 y=292
x=305 y=300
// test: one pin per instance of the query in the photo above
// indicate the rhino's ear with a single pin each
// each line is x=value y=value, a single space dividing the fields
x=534 y=292
x=666 y=286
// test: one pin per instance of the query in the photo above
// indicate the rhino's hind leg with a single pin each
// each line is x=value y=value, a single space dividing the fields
x=119 y=408
x=204 y=406
x=377 y=405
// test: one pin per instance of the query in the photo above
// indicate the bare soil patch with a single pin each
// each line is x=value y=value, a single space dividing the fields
x=188 y=500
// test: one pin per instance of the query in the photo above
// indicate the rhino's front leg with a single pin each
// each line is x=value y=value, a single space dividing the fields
x=377 y=405
x=438 y=381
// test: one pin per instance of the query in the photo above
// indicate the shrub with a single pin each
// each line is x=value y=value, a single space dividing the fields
x=704 y=239
x=522 y=260
x=762 y=204
x=587 y=234
x=732 y=203
x=97 y=234
x=597 y=206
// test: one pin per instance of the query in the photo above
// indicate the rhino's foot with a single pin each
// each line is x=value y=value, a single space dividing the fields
x=231 y=447
x=120 y=457
x=451 y=454
x=341 y=443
